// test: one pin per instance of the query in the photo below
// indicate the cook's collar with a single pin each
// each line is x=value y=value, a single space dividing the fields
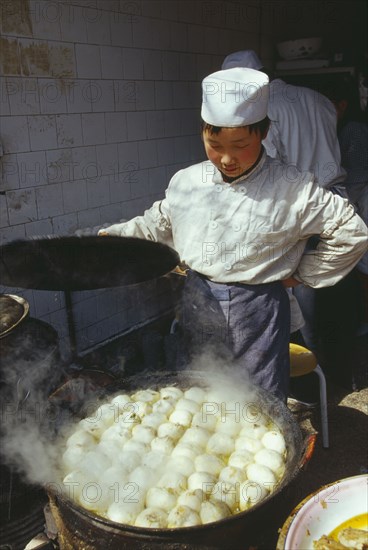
x=218 y=178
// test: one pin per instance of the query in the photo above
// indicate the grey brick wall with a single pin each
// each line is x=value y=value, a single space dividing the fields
x=99 y=107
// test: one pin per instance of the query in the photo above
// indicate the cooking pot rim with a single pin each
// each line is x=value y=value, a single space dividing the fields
x=24 y=304
x=293 y=437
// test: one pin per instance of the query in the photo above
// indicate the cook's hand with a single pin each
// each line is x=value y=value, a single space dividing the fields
x=114 y=230
x=290 y=282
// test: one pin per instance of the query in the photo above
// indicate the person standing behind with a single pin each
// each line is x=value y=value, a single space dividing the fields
x=352 y=132
x=303 y=125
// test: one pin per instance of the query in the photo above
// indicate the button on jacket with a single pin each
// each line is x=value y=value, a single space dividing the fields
x=255 y=229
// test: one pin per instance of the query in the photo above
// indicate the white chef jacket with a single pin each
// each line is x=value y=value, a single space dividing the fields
x=255 y=229
x=303 y=132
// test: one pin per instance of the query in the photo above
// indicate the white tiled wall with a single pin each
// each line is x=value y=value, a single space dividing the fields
x=99 y=107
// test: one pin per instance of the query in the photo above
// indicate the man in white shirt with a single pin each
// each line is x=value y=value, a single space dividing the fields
x=303 y=133
x=240 y=222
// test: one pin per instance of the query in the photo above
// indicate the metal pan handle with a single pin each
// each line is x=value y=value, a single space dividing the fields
x=309 y=445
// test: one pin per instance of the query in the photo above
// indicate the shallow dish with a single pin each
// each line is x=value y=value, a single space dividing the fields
x=321 y=512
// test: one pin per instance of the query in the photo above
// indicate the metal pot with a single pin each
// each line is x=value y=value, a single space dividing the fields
x=27 y=344
x=81 y=529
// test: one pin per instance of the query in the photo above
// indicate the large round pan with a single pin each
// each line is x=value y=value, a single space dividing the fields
x=79 y=529
x=83 y=263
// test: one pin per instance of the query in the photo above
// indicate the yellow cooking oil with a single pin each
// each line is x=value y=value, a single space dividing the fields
x=356 y=522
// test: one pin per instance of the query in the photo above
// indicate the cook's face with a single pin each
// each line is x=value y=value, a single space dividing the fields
x=233 y=150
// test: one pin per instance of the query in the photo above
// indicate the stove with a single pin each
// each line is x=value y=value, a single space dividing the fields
x=15 y=534
x=46 y=537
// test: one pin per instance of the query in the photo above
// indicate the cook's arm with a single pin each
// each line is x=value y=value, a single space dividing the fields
x=343 y=238
x=154 y=225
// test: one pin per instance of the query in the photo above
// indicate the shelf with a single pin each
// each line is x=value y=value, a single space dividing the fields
x=311 y=71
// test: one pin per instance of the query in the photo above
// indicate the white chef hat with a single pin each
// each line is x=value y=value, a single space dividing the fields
x=235 y=97
x=243 y=58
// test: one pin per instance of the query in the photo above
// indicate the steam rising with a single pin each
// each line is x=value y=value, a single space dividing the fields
x=34 y=429
x=231 y=382
x=28 y=421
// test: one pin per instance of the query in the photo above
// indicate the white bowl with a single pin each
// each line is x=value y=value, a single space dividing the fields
x=323 y=511
x=296 y=49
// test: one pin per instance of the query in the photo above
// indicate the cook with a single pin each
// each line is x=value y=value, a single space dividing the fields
x=303 y=134
x=240 y=221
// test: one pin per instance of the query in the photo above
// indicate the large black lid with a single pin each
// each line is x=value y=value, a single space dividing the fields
x=83 y=263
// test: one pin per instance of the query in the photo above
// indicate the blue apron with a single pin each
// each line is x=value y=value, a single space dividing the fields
x=246 y=325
